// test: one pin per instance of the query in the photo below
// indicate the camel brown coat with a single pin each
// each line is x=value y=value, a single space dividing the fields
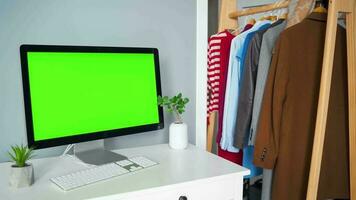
x=287 y=121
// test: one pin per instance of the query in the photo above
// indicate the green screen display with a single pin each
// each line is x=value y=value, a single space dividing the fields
x=79 y=93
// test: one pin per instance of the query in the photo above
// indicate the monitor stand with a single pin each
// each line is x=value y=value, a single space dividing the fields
x=94 y=153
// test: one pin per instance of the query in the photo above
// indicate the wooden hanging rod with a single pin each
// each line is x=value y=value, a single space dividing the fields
x=259 y=9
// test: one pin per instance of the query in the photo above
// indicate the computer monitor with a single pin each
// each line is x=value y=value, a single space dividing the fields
x=76 y=94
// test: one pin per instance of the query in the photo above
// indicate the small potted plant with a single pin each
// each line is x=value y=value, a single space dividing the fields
x=178 y=130
x=21 y=174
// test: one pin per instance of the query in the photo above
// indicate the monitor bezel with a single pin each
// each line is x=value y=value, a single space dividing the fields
x=25 y=48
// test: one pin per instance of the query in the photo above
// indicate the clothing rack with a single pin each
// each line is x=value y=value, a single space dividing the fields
x=335 y=6
x=226 y=7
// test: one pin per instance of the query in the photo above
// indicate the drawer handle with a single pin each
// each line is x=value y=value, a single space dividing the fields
x=183 y=198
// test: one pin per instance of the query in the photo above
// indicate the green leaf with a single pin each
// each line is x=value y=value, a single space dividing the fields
x=174 y=99
x=181 y=110
x=159 y=100
x=21 y=154
x=174 y=104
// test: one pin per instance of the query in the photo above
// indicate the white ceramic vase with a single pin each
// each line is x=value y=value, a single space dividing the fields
x=178 y=135
x=21 y=176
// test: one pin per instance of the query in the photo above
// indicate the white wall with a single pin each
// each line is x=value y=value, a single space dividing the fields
x=169 y=25
x=201 y=73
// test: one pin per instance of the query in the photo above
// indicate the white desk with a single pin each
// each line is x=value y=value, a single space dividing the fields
x=194 y=173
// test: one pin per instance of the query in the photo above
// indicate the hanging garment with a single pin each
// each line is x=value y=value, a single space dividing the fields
x=245 y=102
x=223 y=90
x=247 y=86
x=287 y=120
x=233 y=157
x=247 y=162
x=218 y=59
x=218 y=51
x=267 y=177
x=243 y=55
x=218 y=55
x=247 y=27
x=232 y=88
x=267 y=45
x=300 y=10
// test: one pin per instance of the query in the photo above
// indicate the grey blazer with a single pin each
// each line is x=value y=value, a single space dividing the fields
x=268 y=43
x=252 y=110
x=243 y=131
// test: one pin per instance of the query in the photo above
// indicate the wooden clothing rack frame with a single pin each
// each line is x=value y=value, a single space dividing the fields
x=347 y=7
x=259 y=9
x=228 y=20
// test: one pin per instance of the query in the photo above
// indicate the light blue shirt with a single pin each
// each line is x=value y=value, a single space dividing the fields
x=248 y=151
x=247 y=161
x=232 y=88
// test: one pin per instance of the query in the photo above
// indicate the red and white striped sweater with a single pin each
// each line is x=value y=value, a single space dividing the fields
x=218 y=61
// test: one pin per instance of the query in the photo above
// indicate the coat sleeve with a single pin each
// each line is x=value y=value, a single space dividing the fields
x=268 y=131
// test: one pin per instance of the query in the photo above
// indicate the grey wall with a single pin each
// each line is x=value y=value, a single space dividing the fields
x=213 y=16
x=241 y=4
x=168 y=25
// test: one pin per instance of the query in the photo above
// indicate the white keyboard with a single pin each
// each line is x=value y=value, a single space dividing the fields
x=103 y=172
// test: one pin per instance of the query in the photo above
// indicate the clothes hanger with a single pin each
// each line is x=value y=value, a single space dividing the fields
x=283 y=16
x=233 y=31
x=281 y=13
x=269 y=16
x=319 y=7
x=251 y=21
x=236 y=31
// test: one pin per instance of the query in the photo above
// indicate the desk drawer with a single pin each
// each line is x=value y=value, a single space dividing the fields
x=224 y=189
